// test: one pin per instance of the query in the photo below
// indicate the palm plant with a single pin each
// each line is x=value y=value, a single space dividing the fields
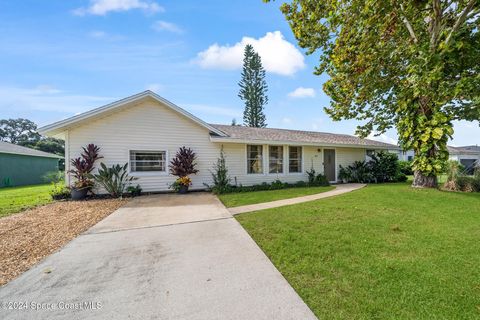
x=114 y=180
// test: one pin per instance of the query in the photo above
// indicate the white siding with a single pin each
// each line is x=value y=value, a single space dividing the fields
x=147 y=126
x=152 y=126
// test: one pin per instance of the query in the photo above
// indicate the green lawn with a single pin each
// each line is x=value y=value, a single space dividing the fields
x=244 y=198
x=16 y=199
x=381 y=252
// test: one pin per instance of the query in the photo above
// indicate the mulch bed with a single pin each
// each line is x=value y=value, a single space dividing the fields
x=28 y=237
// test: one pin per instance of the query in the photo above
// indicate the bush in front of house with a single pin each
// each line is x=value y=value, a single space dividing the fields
x=183 y=165
x=221 y=179
x=406 y=167
x=316 y=180
x=60 y=191
x=383 y=167
x=114 y=180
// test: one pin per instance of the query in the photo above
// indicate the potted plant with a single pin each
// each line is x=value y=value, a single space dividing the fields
x=82 y=168
x=182 y=165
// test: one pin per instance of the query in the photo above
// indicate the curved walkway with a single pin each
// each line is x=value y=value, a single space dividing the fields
x=339 y=189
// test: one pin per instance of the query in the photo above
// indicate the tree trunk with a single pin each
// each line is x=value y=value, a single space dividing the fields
x=422 y=181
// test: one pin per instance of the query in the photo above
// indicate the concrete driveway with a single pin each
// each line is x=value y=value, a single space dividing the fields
x=160 y=257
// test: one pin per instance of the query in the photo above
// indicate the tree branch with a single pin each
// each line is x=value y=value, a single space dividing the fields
x=436 y=23
x=460 y=20
x=408 y=25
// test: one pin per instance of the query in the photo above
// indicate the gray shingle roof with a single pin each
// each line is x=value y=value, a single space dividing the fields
x=463 y=150
x=297 y=136
x=6 y=147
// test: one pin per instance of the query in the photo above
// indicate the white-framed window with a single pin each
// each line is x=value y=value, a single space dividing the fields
x=148 y=161
x=370 y=152
x=254 y=159
x=294 y=159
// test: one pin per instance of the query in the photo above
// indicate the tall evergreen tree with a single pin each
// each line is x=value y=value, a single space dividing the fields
x=253 y=89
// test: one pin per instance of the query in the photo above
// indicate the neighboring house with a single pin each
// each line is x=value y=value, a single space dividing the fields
x=23 y=166
x=469 y=157
x=146 y=131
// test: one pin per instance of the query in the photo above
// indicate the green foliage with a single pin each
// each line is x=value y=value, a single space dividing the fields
x=183 y=164
x=405 y=167
x=18 y=131
x=253 y=89
x=315 y=179
x=135 y=191
x=383 y=167
x=54 y=177
x=114 y=179
x=59 y=191
x=412 y=65
x=453 y=169
x=220 y=177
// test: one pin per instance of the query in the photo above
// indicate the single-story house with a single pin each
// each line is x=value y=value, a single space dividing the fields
x=469 y=157
x=146 y=130
x=24 y=166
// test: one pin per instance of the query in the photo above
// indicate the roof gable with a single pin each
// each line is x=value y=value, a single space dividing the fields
x=60 y=126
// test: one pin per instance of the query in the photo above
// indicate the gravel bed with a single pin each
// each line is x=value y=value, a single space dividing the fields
x=28 y=237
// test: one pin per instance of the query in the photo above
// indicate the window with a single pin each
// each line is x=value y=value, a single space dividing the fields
x=370 y=153
x=148 y=161
x=275 y=159
x=294 y=159
x=254 y=159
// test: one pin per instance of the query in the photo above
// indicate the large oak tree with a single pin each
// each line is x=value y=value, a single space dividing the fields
x=409 y=64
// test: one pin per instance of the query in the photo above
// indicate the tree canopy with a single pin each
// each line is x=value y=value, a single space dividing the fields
x=24 y=132
x=412 y=65
x=253 y=89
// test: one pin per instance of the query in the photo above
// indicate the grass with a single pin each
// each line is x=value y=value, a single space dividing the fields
x=245 y=198
x=381 y=252
x=16 y=199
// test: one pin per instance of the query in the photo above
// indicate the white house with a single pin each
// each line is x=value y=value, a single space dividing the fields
x=146 y=130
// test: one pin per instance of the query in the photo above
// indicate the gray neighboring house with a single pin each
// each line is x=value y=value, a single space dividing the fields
x=24 y=166
x=468 y=156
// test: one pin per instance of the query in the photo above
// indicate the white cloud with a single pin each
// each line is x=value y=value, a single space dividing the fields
x=48 y=98
x=155 y=87
x=302 y=92
x=278 y=55
x=102 y=7
x=382 y=138
x=102 y=35
x=161 y=25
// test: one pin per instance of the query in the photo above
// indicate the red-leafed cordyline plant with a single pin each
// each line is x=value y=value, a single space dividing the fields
x=82 y=168
x=181 y=166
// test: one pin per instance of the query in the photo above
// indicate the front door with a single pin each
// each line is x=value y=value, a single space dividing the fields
x=329 y=164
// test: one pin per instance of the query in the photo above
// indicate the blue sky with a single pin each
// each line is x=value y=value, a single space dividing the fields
x=60 y=58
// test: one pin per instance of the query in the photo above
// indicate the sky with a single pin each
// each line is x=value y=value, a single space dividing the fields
x=60 y=58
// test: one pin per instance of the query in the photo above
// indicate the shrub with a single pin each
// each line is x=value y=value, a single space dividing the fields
x=315 y=179
x=406 y=167
x=180 y=182
x=183 y=164
x=60 y=191
x=220 y=177
x=384 y=167
x=83 y=166
x=135 y=191
x=452 y=169
x=54 y=177
x=114 y=179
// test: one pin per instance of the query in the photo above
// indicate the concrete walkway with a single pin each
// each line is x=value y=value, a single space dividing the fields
x=339 y=189
x=160 y=257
